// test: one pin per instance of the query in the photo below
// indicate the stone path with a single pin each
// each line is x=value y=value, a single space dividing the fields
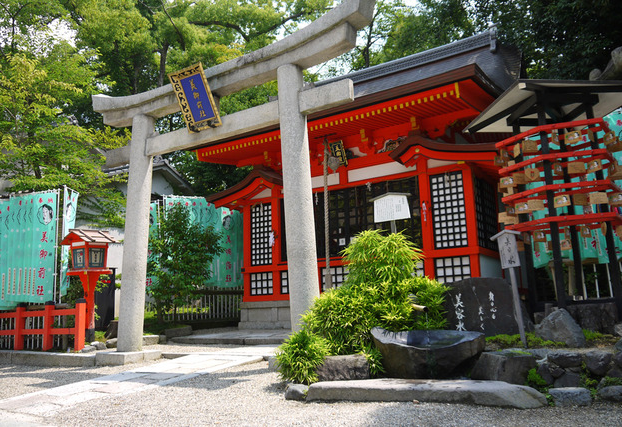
x=21 y=409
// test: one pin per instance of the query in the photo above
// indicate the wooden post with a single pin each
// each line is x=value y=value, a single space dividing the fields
x=48 y=321
x=20 y=323
x=80 y=319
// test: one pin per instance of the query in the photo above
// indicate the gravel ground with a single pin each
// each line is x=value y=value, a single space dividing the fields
x=252 y=395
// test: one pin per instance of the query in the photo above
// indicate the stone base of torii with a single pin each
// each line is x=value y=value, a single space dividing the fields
x=327 y=37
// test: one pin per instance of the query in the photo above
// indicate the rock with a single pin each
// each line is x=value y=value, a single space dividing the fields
x=99 y=345
x=565 y=359
x=617 y=359
x=568 y=379
x=544 y=370
x=426 y=354
x=597 y=362
x=560 y=326
x=508 y=366
x=612 y=393
x=483 y=304
x=151 y=339
x=487 y=393
x=162 y=339
x=617 y=329
x=113 y=330
x=600 y=317
x=296 y=392
x=273 y=364
x=615 y=372
x=178 y=332
x=88 y=349
x=111 y=343
x=571 y=396
x=618 y=346
x=339 y=368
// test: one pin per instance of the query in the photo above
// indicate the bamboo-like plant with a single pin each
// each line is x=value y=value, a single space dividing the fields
x=376 y=292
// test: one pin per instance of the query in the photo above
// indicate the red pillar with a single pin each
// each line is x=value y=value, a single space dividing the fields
x=48 y=321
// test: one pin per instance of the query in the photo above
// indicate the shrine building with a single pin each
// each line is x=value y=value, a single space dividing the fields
x=403 y=133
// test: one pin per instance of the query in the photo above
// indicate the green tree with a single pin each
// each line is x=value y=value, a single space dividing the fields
x=42 y=146
x=181 y=253
x=559 y=39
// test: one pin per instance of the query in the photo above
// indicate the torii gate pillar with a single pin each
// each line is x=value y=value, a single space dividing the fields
x=298 y=195
x=136 y=240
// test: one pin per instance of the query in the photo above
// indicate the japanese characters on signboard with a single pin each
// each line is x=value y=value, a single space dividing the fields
x=195 y=98
x=27 y=248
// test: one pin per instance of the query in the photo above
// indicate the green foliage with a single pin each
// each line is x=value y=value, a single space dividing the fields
x=509 y=341
x=181 y=255
x=42 y=147
x=377 y=292
x=610 y=381
x=535 y=380
x=592 y=335
x=300 y=355
x=374 y=258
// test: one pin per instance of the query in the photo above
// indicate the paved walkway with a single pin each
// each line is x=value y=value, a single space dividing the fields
x=25 y=409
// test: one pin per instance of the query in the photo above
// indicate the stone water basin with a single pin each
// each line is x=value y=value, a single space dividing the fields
x=426 y=354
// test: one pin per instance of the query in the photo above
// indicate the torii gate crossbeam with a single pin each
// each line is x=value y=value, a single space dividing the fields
x=325 y=38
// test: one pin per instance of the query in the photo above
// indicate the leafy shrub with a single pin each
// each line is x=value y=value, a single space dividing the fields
x=299 y=355
x=377 y=292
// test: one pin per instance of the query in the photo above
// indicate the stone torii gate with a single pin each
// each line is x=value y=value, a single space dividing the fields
x=327 y=37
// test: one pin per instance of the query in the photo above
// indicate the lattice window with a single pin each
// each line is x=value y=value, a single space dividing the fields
x=338 y=274
x=284 y=283
x=261 y=283
x=261 y=228
x=448 y=210
x=486 y=213
x=452 y=269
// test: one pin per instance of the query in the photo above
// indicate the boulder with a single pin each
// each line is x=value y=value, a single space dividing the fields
x=597 y=362
x=545 y=371
x=426 y=354
x=571 y=396
x=560 y=326
x=612 y=393
x=99 y=345
x=618 y=346
x=509 y=366
x=617 y=329
x=296 y=392
x=565 y=359
x=111 y=343
x=340 y=368
x=600 y=317
x=483 y=304
x=568 y=380
x=182 y=331
x=617 y=359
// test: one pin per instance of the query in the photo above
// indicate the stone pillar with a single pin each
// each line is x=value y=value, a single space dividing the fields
x=136 y=240
x=298 y=196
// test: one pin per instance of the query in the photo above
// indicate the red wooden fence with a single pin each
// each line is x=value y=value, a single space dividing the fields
x=50 y=311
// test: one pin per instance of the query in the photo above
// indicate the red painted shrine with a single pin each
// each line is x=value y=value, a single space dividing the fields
x=402 y=133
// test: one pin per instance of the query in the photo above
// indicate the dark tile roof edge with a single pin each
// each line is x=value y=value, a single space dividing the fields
x=487 y=38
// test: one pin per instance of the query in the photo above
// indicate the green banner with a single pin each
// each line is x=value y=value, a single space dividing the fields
x=27 y=248
x=70 y=207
